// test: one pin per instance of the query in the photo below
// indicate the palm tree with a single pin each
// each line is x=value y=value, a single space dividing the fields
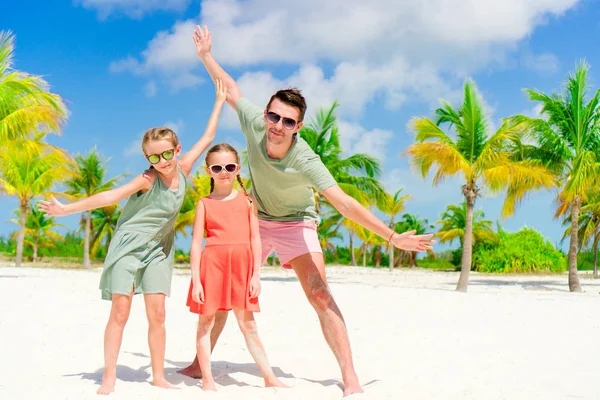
x=87 y=180
x=104 y=223
x=588 y=224
x=26 y=106
x=392 y=206
x=412 y=222
x=27 y=172
x=38 y=228
x=569 y=137
x=327 y=230
x=494 y=161
x=454 y=222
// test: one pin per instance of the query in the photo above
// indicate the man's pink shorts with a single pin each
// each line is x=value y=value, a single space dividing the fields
x=288 y=239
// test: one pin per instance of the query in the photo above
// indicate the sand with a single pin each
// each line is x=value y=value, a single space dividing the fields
x=413 y=337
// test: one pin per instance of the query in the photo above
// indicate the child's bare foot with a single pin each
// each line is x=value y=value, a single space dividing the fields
x=274 y=382
x=209 y=385
x=108 y=383
x=352 y=388
x=192 y=370
x=162 y=383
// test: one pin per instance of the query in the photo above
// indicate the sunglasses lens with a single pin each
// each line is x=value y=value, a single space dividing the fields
x=154 y=158
x=289 y=123
x=230 y=167
x=167 y=155
x=216 y=169
x=272 y=117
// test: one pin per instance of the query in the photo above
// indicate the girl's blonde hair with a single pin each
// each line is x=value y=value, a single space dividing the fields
x=160 y=133
x=225 y=147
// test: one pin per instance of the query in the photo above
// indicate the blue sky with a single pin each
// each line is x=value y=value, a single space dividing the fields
x=124 y=66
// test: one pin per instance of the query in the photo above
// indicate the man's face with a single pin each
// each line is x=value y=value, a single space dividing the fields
x=282 y=122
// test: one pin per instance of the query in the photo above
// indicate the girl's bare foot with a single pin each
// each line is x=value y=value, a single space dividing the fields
x=162 y=383
x=209 y=385
x=108 y=383
x=274 y=382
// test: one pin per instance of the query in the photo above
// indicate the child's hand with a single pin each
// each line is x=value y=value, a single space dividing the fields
x=202 y=40
x=53 y=208
x=254 y=286
x=221 y=91
x=198 y=293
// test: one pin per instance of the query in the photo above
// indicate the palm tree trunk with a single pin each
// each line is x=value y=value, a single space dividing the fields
x=574 y=285
x=21 y=236
x=352 y=255
x=86 y=240
x=273 y=261
x=365 y=256
x=595 y=247
x=392 y=248
x=465 y=269
x=35 y=248
x=378 y=256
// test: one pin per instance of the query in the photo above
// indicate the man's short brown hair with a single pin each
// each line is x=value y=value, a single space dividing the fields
x=291 y=97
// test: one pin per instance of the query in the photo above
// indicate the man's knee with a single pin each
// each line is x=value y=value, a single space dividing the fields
x=121 y=315
x=156 y=315
x=319 y=295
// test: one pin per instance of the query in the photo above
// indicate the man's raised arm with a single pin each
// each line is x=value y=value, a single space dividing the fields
x=203 y=41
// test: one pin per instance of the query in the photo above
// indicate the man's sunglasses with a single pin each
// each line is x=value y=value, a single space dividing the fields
x=216 y=168
x=288 y=123
x=166 y=155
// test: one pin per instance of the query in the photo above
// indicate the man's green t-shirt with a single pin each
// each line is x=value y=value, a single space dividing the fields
x=282 y=188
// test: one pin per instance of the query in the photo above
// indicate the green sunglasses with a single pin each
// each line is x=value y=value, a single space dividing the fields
x=166 y=155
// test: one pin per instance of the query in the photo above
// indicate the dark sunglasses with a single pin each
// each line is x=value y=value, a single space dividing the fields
x=288 y=123
x=166 y=155
x=216 y=168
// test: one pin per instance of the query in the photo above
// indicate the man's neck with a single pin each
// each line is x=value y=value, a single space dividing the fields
x=277 y=152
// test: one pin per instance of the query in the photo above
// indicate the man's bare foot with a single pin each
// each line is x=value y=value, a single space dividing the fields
x=108 y=384
x=352 y=388
x=162 y=383
x=193 y=371
x=274 y=382
x=209 y=386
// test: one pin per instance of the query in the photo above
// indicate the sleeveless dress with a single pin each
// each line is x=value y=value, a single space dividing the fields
x=226 y=264
x=142 y=251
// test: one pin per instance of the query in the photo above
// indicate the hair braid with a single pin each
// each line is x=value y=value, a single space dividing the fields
x=241 y=182
x=212 y=185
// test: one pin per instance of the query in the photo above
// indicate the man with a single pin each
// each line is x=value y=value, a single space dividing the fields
x=283 y=169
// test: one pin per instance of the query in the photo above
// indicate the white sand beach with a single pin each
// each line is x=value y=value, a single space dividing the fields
x=413 y=337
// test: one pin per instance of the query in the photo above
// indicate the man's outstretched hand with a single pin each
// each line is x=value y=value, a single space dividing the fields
x=410 y=242
x=202 y=40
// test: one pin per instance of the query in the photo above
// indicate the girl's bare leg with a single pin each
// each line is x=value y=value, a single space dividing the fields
x=155 y=311
x=255 y=347
x=113 y=336
x=205 y=325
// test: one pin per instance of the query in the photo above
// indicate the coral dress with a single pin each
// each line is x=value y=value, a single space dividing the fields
x=226 y=264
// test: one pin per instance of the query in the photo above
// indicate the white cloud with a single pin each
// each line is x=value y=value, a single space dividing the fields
x=133 y=8
x=545 y=64
x=354 y=138
x=150 y=89
x=176 y=127
x=134 y=148
x=397 y=49
x=422 y=190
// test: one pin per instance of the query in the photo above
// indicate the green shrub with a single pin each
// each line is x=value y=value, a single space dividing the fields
x=523 y=251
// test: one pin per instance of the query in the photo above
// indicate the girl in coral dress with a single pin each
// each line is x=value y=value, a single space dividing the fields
x=226 y=273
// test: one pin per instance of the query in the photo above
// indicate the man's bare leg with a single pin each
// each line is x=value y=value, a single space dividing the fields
x=193 y=370
x=155 y=312
x=310 y=269
x=113 y=336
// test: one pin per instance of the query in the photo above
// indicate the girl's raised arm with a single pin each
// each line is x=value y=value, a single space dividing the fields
x=188 y=159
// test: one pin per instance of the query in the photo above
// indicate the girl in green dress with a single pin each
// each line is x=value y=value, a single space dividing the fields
x=141 y=253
